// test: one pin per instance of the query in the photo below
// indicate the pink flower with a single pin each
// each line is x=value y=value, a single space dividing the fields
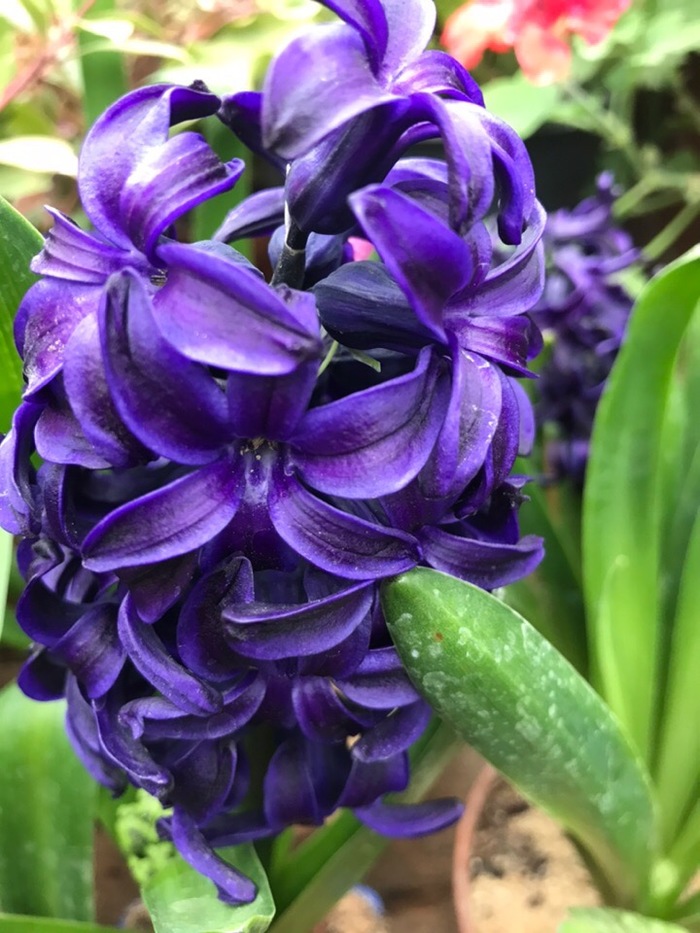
x=537 y=30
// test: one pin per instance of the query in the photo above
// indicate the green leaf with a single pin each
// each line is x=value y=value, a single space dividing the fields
x=103 y=72
x=14 y=923
x=622 y=512
x=19 y=242
x=180 y=900
x=6 y=557
x=332 y=859
x=523 y=105
x=46 y=813
x=604 y=920
x=512 y=696
x=45 y=154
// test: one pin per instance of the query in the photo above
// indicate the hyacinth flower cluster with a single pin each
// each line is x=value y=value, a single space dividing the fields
x=583 y=312
x=212 y=473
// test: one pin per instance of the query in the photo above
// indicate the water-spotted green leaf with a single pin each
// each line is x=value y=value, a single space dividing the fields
x=19 y=241
x=602 y=920
x=14 y=923
x=623 y=510
x=180 y=900
x=512 y=696
x=46 y=813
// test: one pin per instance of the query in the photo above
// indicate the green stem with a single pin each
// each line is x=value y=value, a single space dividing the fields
x=609 y=126
x=664 y=240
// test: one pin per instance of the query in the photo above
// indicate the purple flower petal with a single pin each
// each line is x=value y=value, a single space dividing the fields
x=337 y=541
x=270 y=406
x=171 y=521
x=92 y=650
x=51 y=311
x=369 y=780
x=257 y=215
x=201 y=641
x=219 y=313
x=505 y=340
x=121 y=138
x=438 y=73
x=169 y=180
x=380 y=682
x=298 y=108
x=60 y=439
x=321 y=714
x=270 y=632
x=232 y=886
x=373 y=443
x=155 y=588
x=41 y=677
x=81 y=728
x=486 y=564
x=154 y=661
x=393 y=734
x=429 y=261
x=71 y=254
x=203 y=779
x=369 y=19
x=411 y=26
x=407 y=821
x=17 y=502
x=172 y=405
x=91 y=400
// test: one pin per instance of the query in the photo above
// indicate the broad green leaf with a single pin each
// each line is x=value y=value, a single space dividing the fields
x=180 y=900
x=512 y=696
x=45 y=154
x=14 y=923
x=103 y=72
x=523 y=105
x=604 y=920
x=46 y=813
x=622 y=512
x=19 y=242
x=332 y=859
x=6 y=558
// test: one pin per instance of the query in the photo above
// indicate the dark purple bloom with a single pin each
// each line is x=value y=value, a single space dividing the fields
x=584 y=312
x=231 y=466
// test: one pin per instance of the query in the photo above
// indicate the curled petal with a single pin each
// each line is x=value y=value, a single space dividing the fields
x=373 y=443
x=17 y=475
x=257 y=215
x=269 y=632
x=336 y=541
x=171 y=521
x=71 y=254
x=393 y=734
x=298 y=108
x=438 y=73
x=232 y=886
x=409 y=820
x=487 y=564
x=154 y=661
x=217 y=312
x=322 y=715
x=380 y=682
x=92 y=650
x=81 y=728
x=369 y=780
x=174 y=406
x=411 y=26
x=121 y=138
x=369 y=19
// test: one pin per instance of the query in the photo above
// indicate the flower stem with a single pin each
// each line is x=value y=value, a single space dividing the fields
x=664 y=240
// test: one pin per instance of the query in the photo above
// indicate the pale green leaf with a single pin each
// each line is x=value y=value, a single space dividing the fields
x=605 y=920
x=523 y=105
x=14 y=923
x=44 y=154
x=6 y=556
x=512 y=696
x=180 y=900
x=622 y=511
x=46 y=813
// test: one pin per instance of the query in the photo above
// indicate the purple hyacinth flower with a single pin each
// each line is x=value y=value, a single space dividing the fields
x=584 y=313
x=231 y=466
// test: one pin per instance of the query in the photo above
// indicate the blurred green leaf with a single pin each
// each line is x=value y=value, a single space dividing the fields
x=6 y=556
x=47 y=803
x=19 y=242
x=39 y=154
x=515 y=699
x=135 y=46
x=622 y=511
x=523 y=105
x=13 y=923
x=103 y=72
x=180 y=900
x=605 y=920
